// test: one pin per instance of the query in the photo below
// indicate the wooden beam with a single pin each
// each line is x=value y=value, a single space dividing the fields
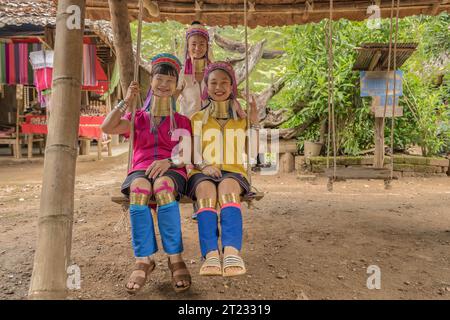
x=54 y=241
x=378 y=159
x=434 y=9
x=122 y=41
x=345 y=6
x=375 y=59
x=386 y=49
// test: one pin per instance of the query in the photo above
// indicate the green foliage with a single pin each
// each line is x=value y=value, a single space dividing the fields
x=425 y=102
x=426 y=115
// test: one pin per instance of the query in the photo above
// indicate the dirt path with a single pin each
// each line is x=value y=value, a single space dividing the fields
x=300 y=242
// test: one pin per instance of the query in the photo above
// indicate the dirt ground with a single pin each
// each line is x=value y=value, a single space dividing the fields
x=300 y=241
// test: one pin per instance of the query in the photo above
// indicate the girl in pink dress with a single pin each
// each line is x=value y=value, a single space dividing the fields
x=156 y=172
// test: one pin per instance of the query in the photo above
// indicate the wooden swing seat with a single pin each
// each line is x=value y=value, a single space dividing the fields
x=363 y=173
x=124 y=201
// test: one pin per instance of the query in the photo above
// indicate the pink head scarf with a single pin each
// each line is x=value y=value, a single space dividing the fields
x=195 y=29
x=228 y=68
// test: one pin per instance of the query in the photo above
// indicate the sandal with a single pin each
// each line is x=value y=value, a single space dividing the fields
x=182 y=274
x=233 y=261
x=139 y=280
x=211 y=262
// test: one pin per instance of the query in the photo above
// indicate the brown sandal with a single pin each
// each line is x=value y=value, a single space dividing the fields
x=139 y=280
x=182 y=275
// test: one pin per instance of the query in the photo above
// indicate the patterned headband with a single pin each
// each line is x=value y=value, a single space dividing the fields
x=228 y=68
x=167 y=58
x=197 y=29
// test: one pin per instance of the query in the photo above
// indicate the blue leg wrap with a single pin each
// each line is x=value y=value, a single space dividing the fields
x=142 y=231
x=231 y=226
x=208 y=231
x=170 y=227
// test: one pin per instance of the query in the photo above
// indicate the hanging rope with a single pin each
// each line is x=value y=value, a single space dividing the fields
x=395 y=80
x=331 y=116
x=395 y=83
x=137 y=61
x=249 y=166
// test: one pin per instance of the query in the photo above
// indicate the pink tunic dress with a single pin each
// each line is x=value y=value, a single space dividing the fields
x=150 y=146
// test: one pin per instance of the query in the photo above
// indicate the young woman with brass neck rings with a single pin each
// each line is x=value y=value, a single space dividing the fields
x=156 y=172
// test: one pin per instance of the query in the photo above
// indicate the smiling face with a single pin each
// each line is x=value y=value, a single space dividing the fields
x=219 y=85
x=163 y=85
x=197 y=46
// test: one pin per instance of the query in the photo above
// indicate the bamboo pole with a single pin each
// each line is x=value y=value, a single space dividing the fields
x=122 y=41
x=54 y=239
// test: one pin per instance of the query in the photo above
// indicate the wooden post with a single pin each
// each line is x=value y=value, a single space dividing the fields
x=114 y=137
x=122 y=41
x=378 y=159
x=85 y=146
x=30 y=145
x=54 y=239
x=287 y=162
x=19 y=109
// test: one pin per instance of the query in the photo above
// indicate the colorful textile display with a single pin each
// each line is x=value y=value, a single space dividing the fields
x=14 y=65
x=89 y=57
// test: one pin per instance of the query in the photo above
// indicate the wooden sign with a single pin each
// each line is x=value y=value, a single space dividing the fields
x=378 y=105
x=379 y=111
x=373 y=83
x=381 y=101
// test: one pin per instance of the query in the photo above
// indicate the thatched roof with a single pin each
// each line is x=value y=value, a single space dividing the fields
x=33 y=17
x=375 y=56
x=266 y=12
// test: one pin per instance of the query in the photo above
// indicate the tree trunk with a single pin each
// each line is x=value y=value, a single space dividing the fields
x=275 y=118
x=231 y=45
x=122 y=41
x=255 y=54
x=323 y=130
x=292 y=133
x=263 y=98
x=57 y=197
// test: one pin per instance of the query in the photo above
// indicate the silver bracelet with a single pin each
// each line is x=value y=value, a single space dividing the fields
x=122 y=106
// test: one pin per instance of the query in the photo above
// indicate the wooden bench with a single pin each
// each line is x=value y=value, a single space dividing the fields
x=31 y=138
x=15 y=144
x=125 y=202
x=85 y=146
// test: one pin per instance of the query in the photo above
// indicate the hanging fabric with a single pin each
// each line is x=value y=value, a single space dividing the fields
x=114 y=81
x=89 y=57
x=14 y=65
x=42 y=64
x=2 y=63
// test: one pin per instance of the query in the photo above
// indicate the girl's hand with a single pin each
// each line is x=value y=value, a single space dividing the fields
x=132 y=92
x=212 y=171
x=157 y=168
